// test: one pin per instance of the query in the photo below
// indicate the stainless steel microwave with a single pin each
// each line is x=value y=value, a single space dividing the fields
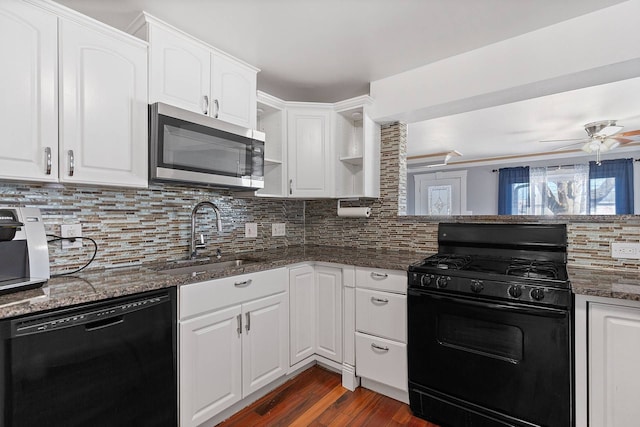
x=188 y=147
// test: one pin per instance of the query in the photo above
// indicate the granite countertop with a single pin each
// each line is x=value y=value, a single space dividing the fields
x=99 y=284
x=605 y=283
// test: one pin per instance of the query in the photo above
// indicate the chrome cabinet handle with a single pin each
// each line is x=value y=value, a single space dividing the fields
x=47 y=160
x=72 y=162
x=239 y=320
x=244 y=283
x=379 y=300
x=378 y=347
x=379 y=275
x=205 y=104
x=290 y=186
x=217 y=105
x=248 y=321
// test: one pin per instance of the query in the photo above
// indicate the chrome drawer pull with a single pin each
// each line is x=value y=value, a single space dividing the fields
x=241 y=284
x=378 y=347
x=379 y=300
x=47 y=160
x=379 y=275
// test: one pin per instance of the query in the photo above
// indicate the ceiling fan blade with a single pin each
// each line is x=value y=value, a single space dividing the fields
x=552 y=141
x=622 y=140
x=564 y=147
x=630 y=133
x=608 y=131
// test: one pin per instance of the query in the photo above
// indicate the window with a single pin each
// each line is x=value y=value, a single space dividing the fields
x=596 y=189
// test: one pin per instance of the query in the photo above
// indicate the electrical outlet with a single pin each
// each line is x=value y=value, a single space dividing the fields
x=278 y=229
x=250 y=230
x=625 y=250
x=71 y=230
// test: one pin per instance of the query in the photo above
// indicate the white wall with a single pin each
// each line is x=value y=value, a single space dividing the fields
x=592 y=49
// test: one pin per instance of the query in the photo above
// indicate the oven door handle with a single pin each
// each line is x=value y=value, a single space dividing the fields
x=514 y=308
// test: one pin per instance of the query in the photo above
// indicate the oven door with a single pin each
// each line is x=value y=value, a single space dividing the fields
x=509 y=362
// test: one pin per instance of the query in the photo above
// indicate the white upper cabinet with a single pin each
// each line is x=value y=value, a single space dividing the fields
x=310 y=150
x=233 y=91
x=103 y=107
x=179 y=70
x=190 y=74
x=28 y=104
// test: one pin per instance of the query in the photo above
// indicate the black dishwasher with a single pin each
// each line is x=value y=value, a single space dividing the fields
x=109 y=363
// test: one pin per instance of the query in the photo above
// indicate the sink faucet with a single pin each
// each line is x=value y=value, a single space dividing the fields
x=193 y=247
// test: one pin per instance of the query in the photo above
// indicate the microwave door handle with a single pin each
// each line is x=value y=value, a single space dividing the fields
x=205 y=104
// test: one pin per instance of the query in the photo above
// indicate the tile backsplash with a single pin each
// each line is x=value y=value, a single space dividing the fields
x=146 y=225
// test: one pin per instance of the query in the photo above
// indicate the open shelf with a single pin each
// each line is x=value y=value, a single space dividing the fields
x=352 y=160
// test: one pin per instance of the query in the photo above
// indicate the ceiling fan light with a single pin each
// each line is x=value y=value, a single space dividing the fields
x=588 y=147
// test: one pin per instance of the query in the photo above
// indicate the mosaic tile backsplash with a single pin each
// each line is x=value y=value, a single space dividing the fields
x=589 y=237
x=145 y=225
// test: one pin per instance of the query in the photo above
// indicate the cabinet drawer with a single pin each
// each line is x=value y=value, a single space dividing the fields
x=382 y=280
x=382 y=314
x=381 y=360
x=211 y=295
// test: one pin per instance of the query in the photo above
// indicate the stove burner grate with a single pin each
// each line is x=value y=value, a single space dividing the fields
x=447 y=262
x=533 y=269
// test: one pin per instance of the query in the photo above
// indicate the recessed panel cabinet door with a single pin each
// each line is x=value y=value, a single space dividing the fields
x=180 y=71
x=329 y=312
x=210 y=365
x=310 y=152
x=614 y=380
x=265 y=341
x=303 y=313
x=233 y=92
x=103 y=120
x=28 y=88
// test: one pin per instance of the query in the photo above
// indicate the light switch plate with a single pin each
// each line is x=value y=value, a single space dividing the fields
x=625 y=250
x=251 y=230
x=71 y=230
x=278 y=229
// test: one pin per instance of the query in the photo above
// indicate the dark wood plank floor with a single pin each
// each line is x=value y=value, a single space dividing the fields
x=317 y=398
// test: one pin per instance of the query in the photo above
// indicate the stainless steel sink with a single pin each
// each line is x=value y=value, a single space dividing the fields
x=203 y=268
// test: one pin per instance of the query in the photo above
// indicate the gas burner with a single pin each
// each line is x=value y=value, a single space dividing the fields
x=532 y=269
x=447 y=262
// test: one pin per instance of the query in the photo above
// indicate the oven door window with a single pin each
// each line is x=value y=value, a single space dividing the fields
x=191 y=147
x=499 y=356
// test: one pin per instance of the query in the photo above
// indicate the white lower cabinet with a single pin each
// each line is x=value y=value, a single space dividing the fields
x=614 y=377
x=381 y=331
x=315 y=294
x=233 y=341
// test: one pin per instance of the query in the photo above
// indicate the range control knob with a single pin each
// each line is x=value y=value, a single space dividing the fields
x=537 y=294
x=515 y=291
x=441 y=282
x=425 y=280
x=477 y=286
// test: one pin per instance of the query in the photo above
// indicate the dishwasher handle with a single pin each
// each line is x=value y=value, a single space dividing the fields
x=93 y=316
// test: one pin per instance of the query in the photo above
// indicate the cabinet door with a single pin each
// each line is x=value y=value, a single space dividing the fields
x=103 y=120
x=210 y=365
x=614 y=381
x=302 y=309
x=265 y=342
x=179 y=71
x=329 y=312
x=310 y=162
x=233 y=92
x=28 y=104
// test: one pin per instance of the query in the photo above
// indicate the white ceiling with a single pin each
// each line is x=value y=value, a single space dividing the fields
x=329 y=50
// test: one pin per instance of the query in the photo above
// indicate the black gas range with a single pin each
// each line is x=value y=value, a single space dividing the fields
x=489 y=322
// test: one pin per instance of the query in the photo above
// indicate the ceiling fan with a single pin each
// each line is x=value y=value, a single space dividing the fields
x=602 y=136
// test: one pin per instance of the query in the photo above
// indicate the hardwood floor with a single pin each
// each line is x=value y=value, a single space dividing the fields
x=317 y=398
